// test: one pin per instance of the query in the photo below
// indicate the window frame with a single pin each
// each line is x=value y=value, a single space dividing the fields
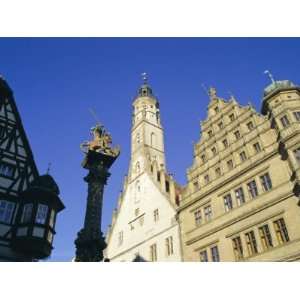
x=252 y=188
x=7 y=209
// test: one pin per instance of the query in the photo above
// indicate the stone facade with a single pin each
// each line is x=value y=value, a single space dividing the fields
x=241 y=199
x=144 y=225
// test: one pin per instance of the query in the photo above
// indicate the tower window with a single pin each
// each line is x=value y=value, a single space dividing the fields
x=155 y=215
x=7 y=170
x=167 y=186
x=153 y=139
x=285 y=121
x=6 y=211
x=297 y=115
x=228 y=203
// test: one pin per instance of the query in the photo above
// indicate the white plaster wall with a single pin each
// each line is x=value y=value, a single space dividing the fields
x=141 y=237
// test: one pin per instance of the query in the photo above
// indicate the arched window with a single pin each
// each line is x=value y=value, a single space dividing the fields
x=153 y=139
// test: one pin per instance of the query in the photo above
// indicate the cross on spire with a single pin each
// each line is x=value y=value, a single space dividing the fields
x=145 y=77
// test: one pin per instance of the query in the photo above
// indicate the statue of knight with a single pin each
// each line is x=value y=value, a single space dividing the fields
x=99 y=157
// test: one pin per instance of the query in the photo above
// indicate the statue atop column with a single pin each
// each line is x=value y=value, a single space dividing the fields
x=99 y=157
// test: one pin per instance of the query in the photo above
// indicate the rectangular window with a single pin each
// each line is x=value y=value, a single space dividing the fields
x=6 y=211
x=265 y=237
x=169 y=246
x=256 y=147
x=120 y=238
x=231 y=117
x=237 y=135
x=230 y=164
x=228 y=203
x=297 y=115
x=285 y=121
x=7 y=170
x=225 y=143
x=27 y=212
x=240 y=196
x=218 y=172
x=41 y=214
x=196 y=186
x=243 y=156
x=198 y=217
x=206 y=178
x=237 y=248
x=203 y=256
x=252 y=189
x=281 y=231
x=215 y=254
x=167 y=186
x=153 y=252
x=250 y=126
x=251 y=242
x=155 y=215
x=266 y=182
x=208 y=213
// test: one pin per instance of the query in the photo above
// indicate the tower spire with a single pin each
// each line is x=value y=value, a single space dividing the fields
x=269 y=75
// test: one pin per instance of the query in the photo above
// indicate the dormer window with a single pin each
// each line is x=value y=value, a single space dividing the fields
x=210 y=133
x=221 y=125
x=203 y=158
x=225 y=143
x=237 y=135
x=217 y=109
x=232 y=117
x=250 y=126
x=214 y=150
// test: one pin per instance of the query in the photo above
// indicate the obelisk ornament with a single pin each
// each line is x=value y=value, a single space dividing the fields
x=99 y=157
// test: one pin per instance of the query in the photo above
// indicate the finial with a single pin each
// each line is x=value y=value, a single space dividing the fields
x=48 y=169
x=270 y=76
x=145 y=77
x=212 y=93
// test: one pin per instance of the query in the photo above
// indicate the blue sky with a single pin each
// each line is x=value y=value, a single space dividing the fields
x=56 y=81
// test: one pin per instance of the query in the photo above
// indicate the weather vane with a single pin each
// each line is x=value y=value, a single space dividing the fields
x=269 y=75
x=145 y=77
